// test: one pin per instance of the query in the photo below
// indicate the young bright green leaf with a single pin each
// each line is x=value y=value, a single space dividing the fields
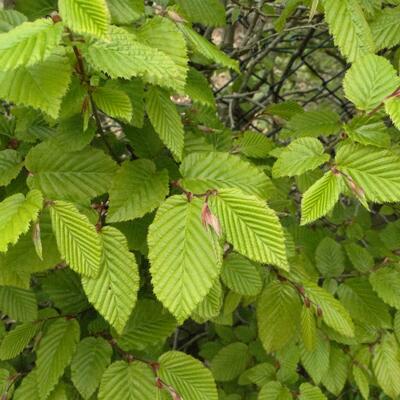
x=369 y=81
x=113 y=292
x=90 y=360
x=181 y=275
x=40 y=86
x=198 y=89
x=385 y=28
x=230 y=362
x=386 y=283
x=366 y=131
x=349 y=27
x=125 y=12
x=85 y=16
x=392 y=107
x=149 y=325
x=329 y=258
x=251 y=226
x=19 y=304
x=255 y=145
x=137 y=189
x=76 y=176
x=310 y=392
x=207 y=12
x=241 y=275
x=29 y=43
x=190 y=378
x=113 y=102
x=278 y=315
x=125 y=381
x=216 y=170
x=386 y=365
x=10 y=166
x=77 y=240
x=166 y=120
x=16 y=214
x=362 y=379
x=372 y=169
x=308 y=328
x=16 y=340
x=9 y=19
x=301 y=155
x=210 y=306
x=274 y=391
x=338 y=362
x=55 y=353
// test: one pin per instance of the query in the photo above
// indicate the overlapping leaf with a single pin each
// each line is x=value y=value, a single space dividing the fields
x=207 y=12
x=10 y=166
x=19 y=304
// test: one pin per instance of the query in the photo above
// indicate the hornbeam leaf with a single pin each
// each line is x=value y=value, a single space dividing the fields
x=191 y=379
x=392 y=107
x=251 y=226
x=310 y=392
x=185 y=257
x=338 y=362
x=386 y=365
x=278 y=315
x=385 y=28
x=274 y=391
x=125 y=12
x=373 y=170
x=85 y=16
x=76 y=176
x=77 y=240
x=207 y=12
x=9 y=19
x=300 y=156
x=125 y=381
x=349 y=28
x=386 y=283
x=54 y=353
x=320 y=198
x=10 y=166
x=123 y=56
x=29 y=43
x=41 y=86
x=114 y=291
x=136 y=190
x=166 y=120
x=207 y=171
x=211 y=305
x=369 y=81
x=91 y=359
x=16 y=214
x=19 y=304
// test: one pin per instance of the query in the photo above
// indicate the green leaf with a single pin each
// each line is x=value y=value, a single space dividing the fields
x=125 y=381
x=386 y=282
x=314 y=123
x=338 y=362
x=278 y=315
x=359 y=256
x=308 y=328
x=385 y=28
x=274 y=391
x=230 y=362
x=310 y=392
x=10 y=166
x=251 y=226
x=214 y=170
x=241 y=276
x=369 y=81
x=166 y=120
x=255 y=145
x=320 y=198
x=15 y=341
x=90 y=360
x=361 y=377
x=85 y=16
x=386 y=365
x=55 y=353
x=207 y=12
x=149 y=325
x=9 y=19
x=329 y=258
x=77 y=240
x=300 y=156
x=201 y=45
x=40 y=86
x=199 y=90
x=114 y=291
x=182 y=272
x=333 y=312
x=76 y=176
x=392 y=108
x=210 y=306
x=29 y=43
x=113 y=102
x=188 y=376
x=16 y=214
x=122 y=56
x=125 y=12
x=137 y=189
x=373 y=170
x=349 y=28
x=162 y=34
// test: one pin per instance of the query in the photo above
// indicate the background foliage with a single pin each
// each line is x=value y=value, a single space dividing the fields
x=198 y=199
